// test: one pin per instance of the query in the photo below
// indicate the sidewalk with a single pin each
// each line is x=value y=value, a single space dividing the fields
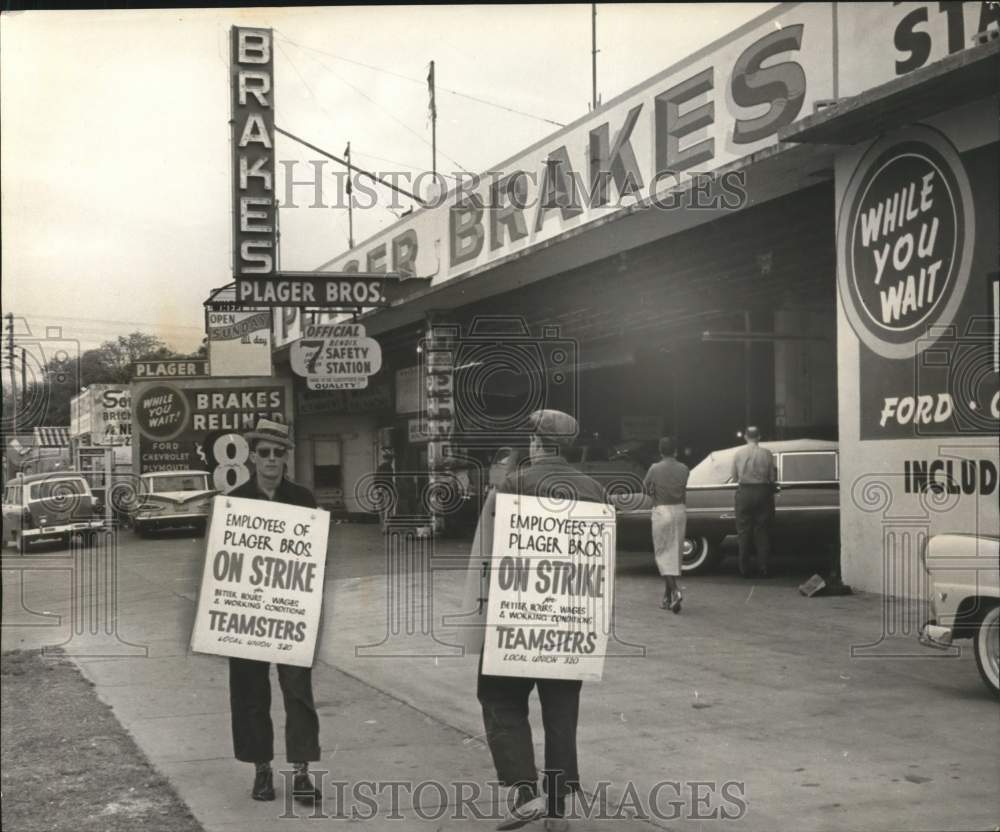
x=753 y=684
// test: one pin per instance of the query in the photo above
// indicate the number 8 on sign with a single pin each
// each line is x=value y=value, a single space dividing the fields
x=231 y=453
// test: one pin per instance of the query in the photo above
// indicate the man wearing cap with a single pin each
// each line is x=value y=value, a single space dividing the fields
x=504 y=699
x=754 y=471
x=249 y=680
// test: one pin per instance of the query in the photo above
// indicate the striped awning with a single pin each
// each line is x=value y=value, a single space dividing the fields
x=51 y=437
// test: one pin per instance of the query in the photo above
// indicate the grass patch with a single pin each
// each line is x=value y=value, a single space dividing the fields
x=67 y=763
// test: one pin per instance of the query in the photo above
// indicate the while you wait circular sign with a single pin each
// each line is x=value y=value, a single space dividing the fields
x=905 y=240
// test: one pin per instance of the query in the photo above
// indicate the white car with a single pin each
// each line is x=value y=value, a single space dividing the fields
x=964 y=571
x=172 y=500
x=56 y=505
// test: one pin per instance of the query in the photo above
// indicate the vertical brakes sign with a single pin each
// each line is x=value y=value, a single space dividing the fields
x=252 y=83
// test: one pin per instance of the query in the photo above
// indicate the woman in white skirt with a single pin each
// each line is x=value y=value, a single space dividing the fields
x=666 y=482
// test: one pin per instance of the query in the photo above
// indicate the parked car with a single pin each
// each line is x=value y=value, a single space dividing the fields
x=51 y=506
x=616 y=467
x=964 y=572
x=807 y=503
x=173 y=500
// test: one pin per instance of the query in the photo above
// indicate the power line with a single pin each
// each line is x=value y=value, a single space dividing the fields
x=370 y=175
x=378 y=106
x=319 y=104
x=401 y=164
x=422 y=83
x=45 y=316
x=309 y=88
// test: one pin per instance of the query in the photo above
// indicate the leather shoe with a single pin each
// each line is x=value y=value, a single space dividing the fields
x=304 y=790
x=263 y=785
x=524 y=814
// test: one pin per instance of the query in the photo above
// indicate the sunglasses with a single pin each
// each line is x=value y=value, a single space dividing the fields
x=267 y=453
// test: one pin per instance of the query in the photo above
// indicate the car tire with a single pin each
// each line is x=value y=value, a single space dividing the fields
x=141 y=529
x=698 y=555
x=20 y=545
x=986 y=645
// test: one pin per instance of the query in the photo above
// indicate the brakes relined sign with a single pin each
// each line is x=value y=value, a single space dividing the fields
x=336 y=357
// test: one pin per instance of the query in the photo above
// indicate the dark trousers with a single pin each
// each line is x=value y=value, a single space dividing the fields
x=250 y=703
x=754 y=513
x=504 y=700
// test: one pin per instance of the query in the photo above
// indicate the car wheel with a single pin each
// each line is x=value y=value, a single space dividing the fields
x=698 y=554
x=141 y=529
x=20 y=544
x=987 y=648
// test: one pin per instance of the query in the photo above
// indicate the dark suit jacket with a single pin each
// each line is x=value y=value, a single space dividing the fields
x=286 y=492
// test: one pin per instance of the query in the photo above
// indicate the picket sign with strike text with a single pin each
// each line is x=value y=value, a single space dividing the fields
x=262 y=585
x=551 y=588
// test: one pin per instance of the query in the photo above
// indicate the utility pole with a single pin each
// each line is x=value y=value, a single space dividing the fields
x=593 y=55
x=350 y=200
x=434 y=115
x=13 y=372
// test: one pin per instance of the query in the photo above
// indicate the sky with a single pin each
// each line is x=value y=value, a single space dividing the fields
x=114 y=153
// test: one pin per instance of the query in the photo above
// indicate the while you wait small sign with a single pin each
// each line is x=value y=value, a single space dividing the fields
x=551 y=588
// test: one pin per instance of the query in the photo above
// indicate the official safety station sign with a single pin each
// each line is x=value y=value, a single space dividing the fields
x=336 y=357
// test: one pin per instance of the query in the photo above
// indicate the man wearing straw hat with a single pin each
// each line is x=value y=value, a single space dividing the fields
x=249 y=680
